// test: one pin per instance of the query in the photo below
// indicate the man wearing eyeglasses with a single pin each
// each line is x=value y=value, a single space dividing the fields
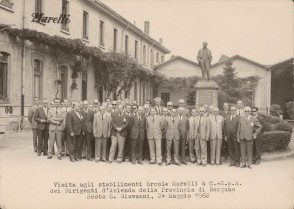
x=182 y=104
x=257 y=143
x=169 y=106
x=34 y=123
x=134 y=109
x=248 y=129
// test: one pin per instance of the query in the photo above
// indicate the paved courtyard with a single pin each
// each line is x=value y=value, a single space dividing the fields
x=29 y=181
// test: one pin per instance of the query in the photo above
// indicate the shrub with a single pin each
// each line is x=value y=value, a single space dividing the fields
x=275 y=140
x=282 y=126
x=276 y=110
x=290 y=109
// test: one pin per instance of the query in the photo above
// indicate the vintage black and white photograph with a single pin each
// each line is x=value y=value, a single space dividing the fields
x=161 y=104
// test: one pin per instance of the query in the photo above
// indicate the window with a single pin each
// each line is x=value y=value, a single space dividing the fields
x=135 y=90
x=101 y=41
x=114 y=39
x=85 y=24
x=165 y=97
x=126 y=43
x=38 y=79
x=65 y=11
x=151 y=58
x=3 y=75
x=84 y=85
x=144 y=55
x=157 y=57
x=63 y=85
x=38 y=6
x=136 y=50
x=162 y=58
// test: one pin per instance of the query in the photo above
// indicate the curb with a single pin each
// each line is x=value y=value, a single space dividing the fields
x=278 y=156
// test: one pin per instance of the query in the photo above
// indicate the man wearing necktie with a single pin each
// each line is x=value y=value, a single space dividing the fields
x=41 y=115
x=173 y=137
x=56 y=118
x=165 y=115
x=137 y=135
x=128 y=142
x=240 y=110
x=64 y=141
x=96 y=104
x=192 y=135
x=158 y=106
x=183 y=129
x=154 y=127
x=146 y=151
x=202 y=126
x=225 y=113
x=216 y=136
x=33 y=123
x=101 y=132
x=230 y=133
x=248 y=129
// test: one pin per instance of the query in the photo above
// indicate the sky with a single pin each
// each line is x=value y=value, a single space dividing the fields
x=260 y=30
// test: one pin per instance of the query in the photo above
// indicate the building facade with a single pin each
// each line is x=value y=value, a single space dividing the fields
x=29 y=69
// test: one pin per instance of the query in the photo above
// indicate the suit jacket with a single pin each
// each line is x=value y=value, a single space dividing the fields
x=203 y=128
x=242 y=113
x=184 y=127
x=121 y=122
x=201 y=52
x=74 y=123
x=192 y=130
x=225 y=114
x=137 y=130
x=173 y=129
x=248 y=127
x=231 y=127
x=216 y=127
x=154 y=128
x=102 y=128
x=31 y=115
x=41 y=115
x=158 y=109
x=164 y=126
x=187 y=112
x=66 y=111
x=262 y=122
x=87 y=120
x=52 y=116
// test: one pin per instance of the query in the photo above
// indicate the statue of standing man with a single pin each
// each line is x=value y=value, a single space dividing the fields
x=204 y=58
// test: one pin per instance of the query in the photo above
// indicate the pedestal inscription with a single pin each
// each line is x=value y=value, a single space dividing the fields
x=206 y=93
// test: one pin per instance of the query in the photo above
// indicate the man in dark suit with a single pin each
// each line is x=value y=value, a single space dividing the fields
x=34 y=123
x=182 y=104
x=248 y=129
x=165 y=115
x=118 y=133
x=183 y=129
x=64 y=142
x=137 y=135
x=74 y=125
x=42 y=127
x=257 y=143
x=128 y=141
x=230 y=131
x=225 y=147
x=88 y=140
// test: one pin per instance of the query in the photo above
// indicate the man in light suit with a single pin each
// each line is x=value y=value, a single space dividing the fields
x=154 y=127
x=88 y=141
x=137 y=135
x=165 y=115
x=216 y=136
x=56 y=118
x=202 y=127
x=192 y=135
x=119 y=131
x=183 y=128
x=146 y=152
x=169 y=106
x=101 y=132
x=64 y=141
x=173 y=137
x=231 y=129
x=240 y=110
x=248 y=129
x=74 y=125
x=41 y=115
x=34 y=123
x=158 y=106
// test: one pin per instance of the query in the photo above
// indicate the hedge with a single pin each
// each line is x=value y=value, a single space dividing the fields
x=275 y=140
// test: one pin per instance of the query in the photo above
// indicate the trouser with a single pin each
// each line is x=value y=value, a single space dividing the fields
x=191 y=150
x=128 y=148
x=55 y=136
x=163 y=148
x=208 y=152
x=176 y=144
x=35 y=139
x=234 y=150
x=88 y=144
x=64 y=140
x=225 y=149
x=205 y=65
x=201 y=150
x=215 y=150
x=146 y=151
x=75 y=146
x=108 y=145
x=137 y=149
x=183 y=150
x=246 y=150
x=257 y=147
x=120 y=141
x=43 y=140
x=155 y=150
x=100 y=148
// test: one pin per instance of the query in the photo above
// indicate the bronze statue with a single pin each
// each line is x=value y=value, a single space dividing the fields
x=204 y=58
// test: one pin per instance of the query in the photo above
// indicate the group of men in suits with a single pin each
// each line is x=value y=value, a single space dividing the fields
x=121 y=130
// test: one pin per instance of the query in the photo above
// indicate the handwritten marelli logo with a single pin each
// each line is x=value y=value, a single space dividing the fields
x=40 y=18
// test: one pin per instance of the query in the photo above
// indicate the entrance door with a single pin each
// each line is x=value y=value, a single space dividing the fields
x=165 y=97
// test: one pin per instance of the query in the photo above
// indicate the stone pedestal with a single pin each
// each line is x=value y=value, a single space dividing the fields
x=206 y=93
